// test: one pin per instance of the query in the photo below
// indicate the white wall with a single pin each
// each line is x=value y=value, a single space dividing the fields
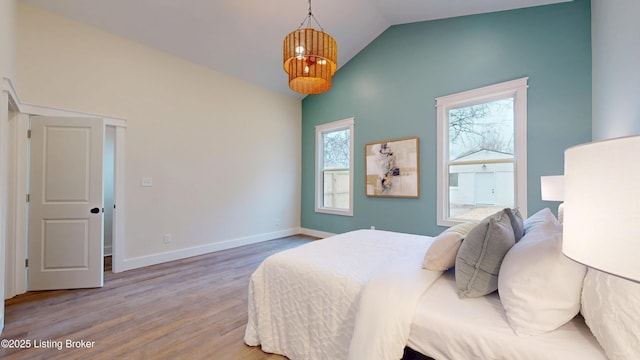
x=616 y=75
x=224 y=155
x=7 y=37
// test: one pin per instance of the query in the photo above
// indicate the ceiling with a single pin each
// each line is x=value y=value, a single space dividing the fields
x=243 y=38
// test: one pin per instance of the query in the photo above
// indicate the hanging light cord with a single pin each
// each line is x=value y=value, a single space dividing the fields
x=308 y=18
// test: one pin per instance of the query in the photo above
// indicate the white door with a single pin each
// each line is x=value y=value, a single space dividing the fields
x=65 y=210
x=485 y=188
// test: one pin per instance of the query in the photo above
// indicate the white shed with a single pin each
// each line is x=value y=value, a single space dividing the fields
x=482 y=178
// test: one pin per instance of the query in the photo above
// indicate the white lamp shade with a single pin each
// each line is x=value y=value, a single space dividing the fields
x=552 y=188
x=602 y=205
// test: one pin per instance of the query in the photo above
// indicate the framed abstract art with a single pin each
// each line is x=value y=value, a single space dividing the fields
x=391 y=168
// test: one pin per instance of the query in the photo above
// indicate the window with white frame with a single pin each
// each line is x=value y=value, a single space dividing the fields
x=482 y=152
x=334 y=167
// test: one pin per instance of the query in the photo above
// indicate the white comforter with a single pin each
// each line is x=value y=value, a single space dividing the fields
x=350 y=296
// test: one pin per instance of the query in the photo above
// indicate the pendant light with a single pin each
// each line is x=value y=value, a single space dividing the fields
x=310 y=57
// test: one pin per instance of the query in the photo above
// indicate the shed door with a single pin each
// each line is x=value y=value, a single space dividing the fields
x=485 y=188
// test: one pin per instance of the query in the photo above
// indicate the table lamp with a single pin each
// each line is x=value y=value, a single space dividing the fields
x=552 y=189
x=602 y=206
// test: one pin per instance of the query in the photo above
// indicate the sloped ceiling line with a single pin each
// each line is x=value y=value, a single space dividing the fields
x=226 y=35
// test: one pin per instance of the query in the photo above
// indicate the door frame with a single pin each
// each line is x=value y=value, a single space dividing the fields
x=17 y=211
x=16 y=274
x=8 y=110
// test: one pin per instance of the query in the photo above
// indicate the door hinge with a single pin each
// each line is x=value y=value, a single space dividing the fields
x=26 y=263
x=29 y=134
x=28 y=198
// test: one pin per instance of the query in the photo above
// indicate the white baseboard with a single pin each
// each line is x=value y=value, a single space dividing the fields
x=316 y=233
x=142 y=261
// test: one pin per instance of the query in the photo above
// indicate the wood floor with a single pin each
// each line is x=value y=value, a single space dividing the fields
x=194 y=308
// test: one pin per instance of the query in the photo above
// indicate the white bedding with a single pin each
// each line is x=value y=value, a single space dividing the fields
x=477 y=328
x=350 y=296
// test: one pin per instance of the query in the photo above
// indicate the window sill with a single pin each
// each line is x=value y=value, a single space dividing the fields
x=334 y=211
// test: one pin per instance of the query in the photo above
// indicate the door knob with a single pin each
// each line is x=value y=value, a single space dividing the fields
x=95 y=210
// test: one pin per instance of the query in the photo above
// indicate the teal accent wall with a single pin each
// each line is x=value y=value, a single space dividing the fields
x=391 y=85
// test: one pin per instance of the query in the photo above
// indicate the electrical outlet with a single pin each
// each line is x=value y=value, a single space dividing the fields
x=167 y=238
x=373 y=227
x=277 y=222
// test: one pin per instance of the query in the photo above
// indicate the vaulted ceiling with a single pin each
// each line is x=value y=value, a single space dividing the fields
x=243 y=38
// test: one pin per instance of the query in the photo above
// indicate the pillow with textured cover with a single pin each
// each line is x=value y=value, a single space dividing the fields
x=441 y=255
x=539 y=287
x=516 y=223
x=611 y=309
x=480 y=255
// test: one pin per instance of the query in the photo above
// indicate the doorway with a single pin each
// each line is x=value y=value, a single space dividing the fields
x=116 y=129
x=108 y=183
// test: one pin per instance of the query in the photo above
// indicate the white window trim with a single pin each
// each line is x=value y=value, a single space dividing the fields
x=515 y=88
x=319 y=189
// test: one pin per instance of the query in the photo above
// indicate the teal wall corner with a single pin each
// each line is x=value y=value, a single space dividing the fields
x=391 y=85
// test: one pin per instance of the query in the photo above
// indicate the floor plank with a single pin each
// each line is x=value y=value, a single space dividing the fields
x=194 y=308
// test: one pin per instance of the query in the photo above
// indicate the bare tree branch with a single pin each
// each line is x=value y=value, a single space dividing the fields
x=474 y=128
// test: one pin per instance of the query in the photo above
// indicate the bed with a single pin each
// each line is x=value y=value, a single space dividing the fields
x=478 y=329
x=365 y=295
x=334 y=298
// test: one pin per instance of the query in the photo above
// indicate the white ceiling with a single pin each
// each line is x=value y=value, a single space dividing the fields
x=243 y=38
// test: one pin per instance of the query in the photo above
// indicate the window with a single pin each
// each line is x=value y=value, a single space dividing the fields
x=453 y=179
x=482 y=152
x=334 y=167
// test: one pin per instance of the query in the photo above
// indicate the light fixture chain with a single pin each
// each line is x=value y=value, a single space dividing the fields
x=308 y=18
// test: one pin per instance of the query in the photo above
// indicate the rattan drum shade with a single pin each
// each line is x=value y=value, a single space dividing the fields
x=310 y=59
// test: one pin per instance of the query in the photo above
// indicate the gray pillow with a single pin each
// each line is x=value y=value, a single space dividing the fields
x=480 y=255
x=516 y=223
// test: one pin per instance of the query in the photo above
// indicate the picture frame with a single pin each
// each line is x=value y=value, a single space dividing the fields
x=391 y=168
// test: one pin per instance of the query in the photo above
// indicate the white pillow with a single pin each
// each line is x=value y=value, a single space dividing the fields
x=441 y=255
x=462 y=228
x=542 y=217
x=611 y=309
x=539 y=287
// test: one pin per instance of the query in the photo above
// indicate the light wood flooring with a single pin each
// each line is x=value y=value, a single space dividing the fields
x=194 y=308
